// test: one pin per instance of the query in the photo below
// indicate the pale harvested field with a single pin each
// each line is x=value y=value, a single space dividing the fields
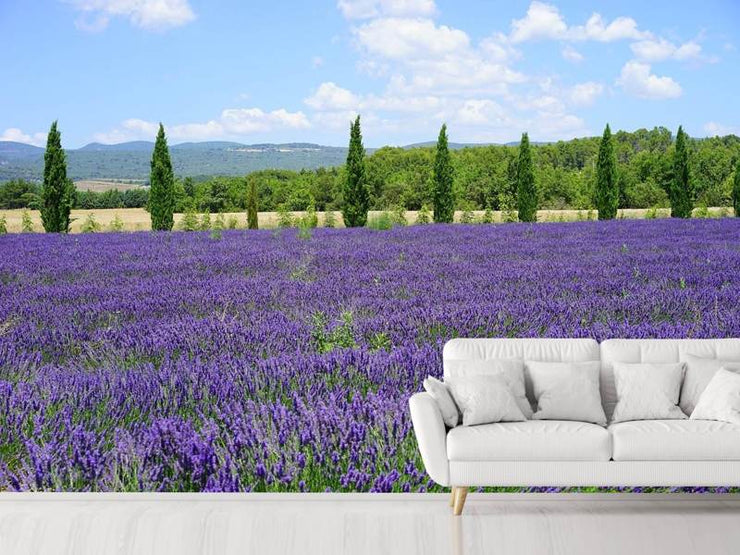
x=100 y=186
x=137 y=219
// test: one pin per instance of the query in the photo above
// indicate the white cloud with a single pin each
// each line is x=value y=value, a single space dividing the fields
x=713 y=129
x=364 y=9
x=482 y=112
x=619 y=29
x=422 y=57
x=544 y=21
x=585 y=94
x=233 y=123
x=497 y=48
x=404 y=39
x=657 y=50
x=637 y=80
x=147 y=14
x=435 y=73
x=338 y=120
x=571 y=54
x=17 y=136
x=330 y=97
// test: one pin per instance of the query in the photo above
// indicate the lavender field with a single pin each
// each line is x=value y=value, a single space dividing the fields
x=266 y=361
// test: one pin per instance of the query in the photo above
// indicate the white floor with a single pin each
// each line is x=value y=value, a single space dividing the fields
x=183 y=524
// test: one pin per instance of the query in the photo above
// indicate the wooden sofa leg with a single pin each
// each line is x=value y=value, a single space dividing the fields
x=453 y=492
x=460 y=493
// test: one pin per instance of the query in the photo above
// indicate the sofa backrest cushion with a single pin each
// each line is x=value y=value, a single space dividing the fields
x=538 y=349
x=656 y=351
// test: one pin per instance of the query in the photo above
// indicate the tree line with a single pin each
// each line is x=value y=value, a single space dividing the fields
x=642 y=169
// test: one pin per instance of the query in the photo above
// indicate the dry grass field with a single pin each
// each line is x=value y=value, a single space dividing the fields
x=100 y=185
x=137 y=219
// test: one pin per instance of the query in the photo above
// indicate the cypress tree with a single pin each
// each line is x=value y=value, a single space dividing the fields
x=444 y=198
x=252 y=205
x=681 y=190
x=356 y=196
x=161 y=185
x=736 y=189
x=58 y=191
x=525 y=188
x=607 y=186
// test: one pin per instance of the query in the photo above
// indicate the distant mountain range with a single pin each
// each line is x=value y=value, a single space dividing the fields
x=130 y=161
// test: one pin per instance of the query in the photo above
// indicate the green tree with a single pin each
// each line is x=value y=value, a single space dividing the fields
x=161 y=185
x=252 y=205
x=444 y=197
x=188 y=187
x=525 y=187
x=26 y=222
x=189 y=220
x=736 y=189
x=91 y=225
x=607 y=186
x=356 y=196
x=58 y=192
x=681 y=191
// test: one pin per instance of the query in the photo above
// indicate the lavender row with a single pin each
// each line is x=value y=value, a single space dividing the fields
x=265 y=361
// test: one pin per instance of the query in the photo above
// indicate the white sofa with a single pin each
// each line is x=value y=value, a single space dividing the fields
x=567 y=453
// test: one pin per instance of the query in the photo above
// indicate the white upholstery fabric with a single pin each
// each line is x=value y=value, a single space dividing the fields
x=659 y=351
x=721 y=399
x=532 y=440
x=484 y=399
x=648 y=391
x=537 y=349
x=431 y=436
x=715 y=439
x=595 y=473
x=446 y=404
x=699 y=372
x=548 y=350
x=675 y=440
x=567 y=391
x=511 y=370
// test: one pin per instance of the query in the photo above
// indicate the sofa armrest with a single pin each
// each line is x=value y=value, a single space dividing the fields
x=431 y=435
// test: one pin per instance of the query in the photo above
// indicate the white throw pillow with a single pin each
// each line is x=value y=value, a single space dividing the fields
x=441 y=395
x=720 y=399
x=647 y=391
x=511 y=370
x=699 y=372
x=484 y=400
x=567 y=391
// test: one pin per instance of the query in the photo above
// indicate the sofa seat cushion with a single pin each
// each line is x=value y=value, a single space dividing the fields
x=675 y=440
x=531 y=440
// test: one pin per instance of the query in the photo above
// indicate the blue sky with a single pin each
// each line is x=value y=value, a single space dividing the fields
x=109 y=70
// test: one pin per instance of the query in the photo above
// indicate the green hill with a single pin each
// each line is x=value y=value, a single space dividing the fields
x=131 y=160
